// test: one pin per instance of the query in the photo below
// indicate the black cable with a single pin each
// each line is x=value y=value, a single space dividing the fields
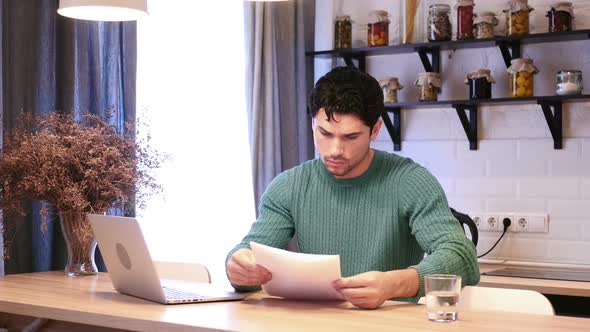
x=506 y=222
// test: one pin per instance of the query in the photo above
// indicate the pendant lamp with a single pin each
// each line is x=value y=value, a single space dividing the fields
x=103 y=10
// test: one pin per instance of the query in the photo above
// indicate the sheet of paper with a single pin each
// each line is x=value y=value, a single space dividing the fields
x=297 y=275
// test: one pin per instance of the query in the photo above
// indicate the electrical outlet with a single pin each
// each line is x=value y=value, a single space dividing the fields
x=510 y=217
x=519 y=222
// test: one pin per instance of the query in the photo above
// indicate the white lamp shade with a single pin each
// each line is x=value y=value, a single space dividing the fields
x=103 y=10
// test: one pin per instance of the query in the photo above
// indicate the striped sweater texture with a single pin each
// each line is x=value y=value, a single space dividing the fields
x=385 y=219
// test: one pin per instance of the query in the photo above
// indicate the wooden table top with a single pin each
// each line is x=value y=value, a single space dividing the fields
x=92 y=300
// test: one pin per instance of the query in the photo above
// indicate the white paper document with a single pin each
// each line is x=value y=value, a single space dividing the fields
x=297 y=275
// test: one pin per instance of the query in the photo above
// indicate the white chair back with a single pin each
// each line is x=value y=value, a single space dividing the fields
x=475 y=298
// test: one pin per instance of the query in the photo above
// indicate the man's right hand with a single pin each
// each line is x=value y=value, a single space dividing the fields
x=242 y=270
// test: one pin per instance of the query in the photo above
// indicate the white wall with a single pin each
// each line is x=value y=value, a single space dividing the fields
x=516 y=168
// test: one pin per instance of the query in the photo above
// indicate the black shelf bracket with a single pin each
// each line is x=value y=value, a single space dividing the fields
x=434 y=52
x=510 y=50
x=554 y=120
x=395 y=128
x=361 y=59
x=469 y=125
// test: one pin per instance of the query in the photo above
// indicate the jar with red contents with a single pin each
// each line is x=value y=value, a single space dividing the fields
x=465 y=19
x=378 y=29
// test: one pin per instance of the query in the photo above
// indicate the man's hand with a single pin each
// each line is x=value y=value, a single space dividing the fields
x=370 y=289
x=242 y=270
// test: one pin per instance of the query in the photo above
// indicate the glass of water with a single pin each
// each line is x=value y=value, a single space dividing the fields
x=442 y=296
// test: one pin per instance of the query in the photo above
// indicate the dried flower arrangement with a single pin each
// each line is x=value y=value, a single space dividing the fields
x=79 y=167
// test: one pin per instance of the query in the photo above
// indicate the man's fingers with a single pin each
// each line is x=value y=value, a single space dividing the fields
x=350 y=282
x=354 y=293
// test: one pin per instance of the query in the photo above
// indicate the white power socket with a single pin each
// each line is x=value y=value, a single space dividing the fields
x=519 y=222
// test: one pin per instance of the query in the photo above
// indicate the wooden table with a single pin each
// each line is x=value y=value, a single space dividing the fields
x=92 y=300
x=554 y=287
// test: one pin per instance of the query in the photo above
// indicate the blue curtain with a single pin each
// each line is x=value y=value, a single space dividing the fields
x=55 y=64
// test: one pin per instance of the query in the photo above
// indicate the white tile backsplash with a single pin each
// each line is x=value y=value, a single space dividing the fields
x=549 y=187
x=561 y=208
x=585 y=189
x=515 y=168
x=466 y=204
x=538 y=205
x=485 y=187
x=563 y=229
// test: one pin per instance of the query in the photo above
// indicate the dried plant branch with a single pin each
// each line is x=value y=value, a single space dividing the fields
x=86 y=166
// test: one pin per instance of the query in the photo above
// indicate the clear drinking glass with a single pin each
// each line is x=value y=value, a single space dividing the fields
x=442 y=296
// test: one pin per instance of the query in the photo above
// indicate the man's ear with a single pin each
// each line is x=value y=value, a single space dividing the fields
x=376 y=129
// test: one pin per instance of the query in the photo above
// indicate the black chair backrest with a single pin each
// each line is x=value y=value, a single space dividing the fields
x=466 y=220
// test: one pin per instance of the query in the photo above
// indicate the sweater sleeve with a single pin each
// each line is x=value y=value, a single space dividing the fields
x=439 y=234
x=274 y=226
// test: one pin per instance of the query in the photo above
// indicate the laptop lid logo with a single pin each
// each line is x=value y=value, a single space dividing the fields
x=123 y=256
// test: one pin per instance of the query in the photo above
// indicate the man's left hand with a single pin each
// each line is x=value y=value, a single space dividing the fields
x=366 y=290
x=370 y=289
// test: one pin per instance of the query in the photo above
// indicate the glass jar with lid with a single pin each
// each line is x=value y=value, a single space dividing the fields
x=480 y=84
x=378 y=29
x=517 y=17
x=439 y=23
x=390 y=87
x=561 y=17
x=522 y=73
x=484 y=25
x=342 y=32
x=429 y=86
x=465 y=19
x=569 y=82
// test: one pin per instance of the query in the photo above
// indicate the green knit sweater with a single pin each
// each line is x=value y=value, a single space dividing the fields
x=385 y=219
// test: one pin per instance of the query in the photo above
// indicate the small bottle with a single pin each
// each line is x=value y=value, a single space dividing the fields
x=439 y=23
x=517 y=17
x=342 y=32
x=465 y=19
x=390 y=87
x=428 y=86
x=561 y=16
x=569 y=82
x=378 y=29
x=522 y=83
x=480 y=84
x=484 y=25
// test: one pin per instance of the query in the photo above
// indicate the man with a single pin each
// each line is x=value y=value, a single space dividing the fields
x=380 y=212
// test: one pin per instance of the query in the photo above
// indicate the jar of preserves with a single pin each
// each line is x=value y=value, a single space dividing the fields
x=484 y=25
x=342 y=32
x=429 y=86
x=569 y=82
x=561 y=17
x=480 y=84
x=439 y=23
x=390 y=87
x=517 y=17
x=522 y=73
x=378 y=29
x=465 y=19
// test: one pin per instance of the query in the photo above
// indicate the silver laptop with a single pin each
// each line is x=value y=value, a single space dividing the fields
x=132 y=270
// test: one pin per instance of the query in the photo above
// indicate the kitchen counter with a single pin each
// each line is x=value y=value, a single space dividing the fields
x=544 y=286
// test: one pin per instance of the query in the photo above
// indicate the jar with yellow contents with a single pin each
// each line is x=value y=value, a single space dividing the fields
x=378 y=29
x=517 y=17
x=522 y=83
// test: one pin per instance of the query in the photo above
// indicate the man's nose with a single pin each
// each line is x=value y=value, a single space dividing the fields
x=337 y=148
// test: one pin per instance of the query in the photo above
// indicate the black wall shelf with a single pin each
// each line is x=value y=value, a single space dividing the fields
x=510 y=48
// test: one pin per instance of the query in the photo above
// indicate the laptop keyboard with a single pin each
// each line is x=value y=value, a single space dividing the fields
x=176 y=294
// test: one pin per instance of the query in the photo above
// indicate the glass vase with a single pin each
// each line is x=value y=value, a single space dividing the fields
x=80 y=242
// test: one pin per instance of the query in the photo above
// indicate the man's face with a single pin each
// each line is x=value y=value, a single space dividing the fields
x=344 y=143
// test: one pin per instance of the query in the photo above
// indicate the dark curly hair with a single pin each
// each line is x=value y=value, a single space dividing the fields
x=347 y=90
